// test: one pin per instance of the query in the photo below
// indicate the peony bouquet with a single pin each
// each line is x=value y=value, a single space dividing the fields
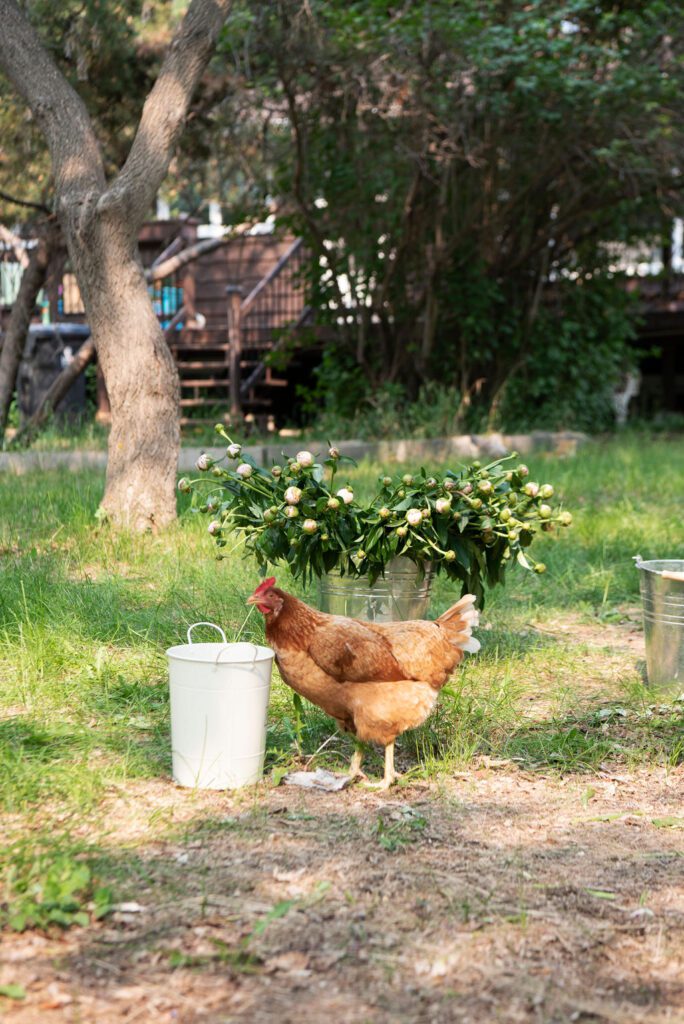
x=469 y=523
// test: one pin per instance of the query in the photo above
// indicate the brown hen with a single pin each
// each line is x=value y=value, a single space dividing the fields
x=376 y=680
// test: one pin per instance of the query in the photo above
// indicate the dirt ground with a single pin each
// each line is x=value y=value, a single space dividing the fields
x=498 y=895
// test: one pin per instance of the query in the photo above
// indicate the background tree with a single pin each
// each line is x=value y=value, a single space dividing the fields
x=100 y=219
x=466 y=171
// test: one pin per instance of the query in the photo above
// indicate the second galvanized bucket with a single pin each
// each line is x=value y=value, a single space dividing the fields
x=402 y=593
x=662 y=596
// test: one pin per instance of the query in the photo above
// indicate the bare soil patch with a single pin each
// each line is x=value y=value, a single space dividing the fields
x=499 y=896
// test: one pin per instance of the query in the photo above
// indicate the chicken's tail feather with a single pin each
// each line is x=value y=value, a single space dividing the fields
x=458 y=622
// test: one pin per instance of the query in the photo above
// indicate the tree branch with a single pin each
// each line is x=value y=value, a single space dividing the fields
x=32 y=281
x=58 y=109
x=165 y=110
x=56 y=392
x=158 y=271
x=6 y=197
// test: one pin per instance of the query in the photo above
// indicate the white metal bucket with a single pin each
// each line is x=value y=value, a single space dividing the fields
x=219 y=701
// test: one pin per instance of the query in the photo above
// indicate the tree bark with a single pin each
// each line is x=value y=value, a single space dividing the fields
x=141 y=379
x=32 y=281
x=101 y=223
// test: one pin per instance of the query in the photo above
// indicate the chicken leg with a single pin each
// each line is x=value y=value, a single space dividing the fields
x=390 y=775
x=355 y=766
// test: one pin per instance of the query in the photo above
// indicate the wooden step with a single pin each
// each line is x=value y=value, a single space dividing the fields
x=187 y=403
x=200 y=348
x=199 y=365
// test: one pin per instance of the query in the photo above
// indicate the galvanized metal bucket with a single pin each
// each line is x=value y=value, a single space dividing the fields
x=402 y=593
x=662 y=595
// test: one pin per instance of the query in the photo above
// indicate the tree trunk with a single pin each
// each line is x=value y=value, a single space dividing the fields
x=17 y=329
x=100 y=221
x=141 y=375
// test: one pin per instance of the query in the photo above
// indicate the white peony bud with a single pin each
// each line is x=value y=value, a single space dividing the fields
x=244 y=470
x=414 y=517
x=545 y=511
x=531 y=489
x=291 y=512
x=333 y=503
x=293 y=495
x=546 y=491
x=443 y=505
x=309 y=526
x=214 y=527
x=346 y=495
x=204 y=462
x=305 y=459
x=233 y=450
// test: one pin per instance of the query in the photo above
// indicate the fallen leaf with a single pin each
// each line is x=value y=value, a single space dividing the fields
x=602 y=894
x=13 y=991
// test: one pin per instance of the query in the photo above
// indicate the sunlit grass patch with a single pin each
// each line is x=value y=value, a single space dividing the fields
x=86 y=616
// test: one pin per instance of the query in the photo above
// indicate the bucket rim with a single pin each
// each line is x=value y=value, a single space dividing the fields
x=190 y=652
x=656 y=565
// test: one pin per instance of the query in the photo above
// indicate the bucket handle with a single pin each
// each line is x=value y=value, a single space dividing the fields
x=211 y=624
x=223 y=649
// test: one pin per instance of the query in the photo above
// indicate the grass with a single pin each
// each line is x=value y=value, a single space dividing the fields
x=86 y=615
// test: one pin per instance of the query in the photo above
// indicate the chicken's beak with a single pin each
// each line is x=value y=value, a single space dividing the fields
x=252 y=599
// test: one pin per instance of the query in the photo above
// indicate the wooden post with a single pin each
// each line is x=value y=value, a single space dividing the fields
x=234 y=292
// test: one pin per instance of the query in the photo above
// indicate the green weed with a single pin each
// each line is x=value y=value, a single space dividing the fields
x=49 y=886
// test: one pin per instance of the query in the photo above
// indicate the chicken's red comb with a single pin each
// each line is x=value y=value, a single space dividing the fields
x=265 y=585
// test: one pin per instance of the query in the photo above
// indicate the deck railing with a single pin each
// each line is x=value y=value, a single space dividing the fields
x=262 y=321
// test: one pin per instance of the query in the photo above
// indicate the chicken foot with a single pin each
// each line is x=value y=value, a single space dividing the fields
x=390 y=775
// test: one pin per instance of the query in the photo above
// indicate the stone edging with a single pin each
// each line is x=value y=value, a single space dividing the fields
x=461 y=447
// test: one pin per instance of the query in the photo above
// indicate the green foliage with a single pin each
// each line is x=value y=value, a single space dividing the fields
x=399 y=827
x=465 y=175
x=567 y=379
x=469 y=525
x=342 y=403
x=48 y=887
